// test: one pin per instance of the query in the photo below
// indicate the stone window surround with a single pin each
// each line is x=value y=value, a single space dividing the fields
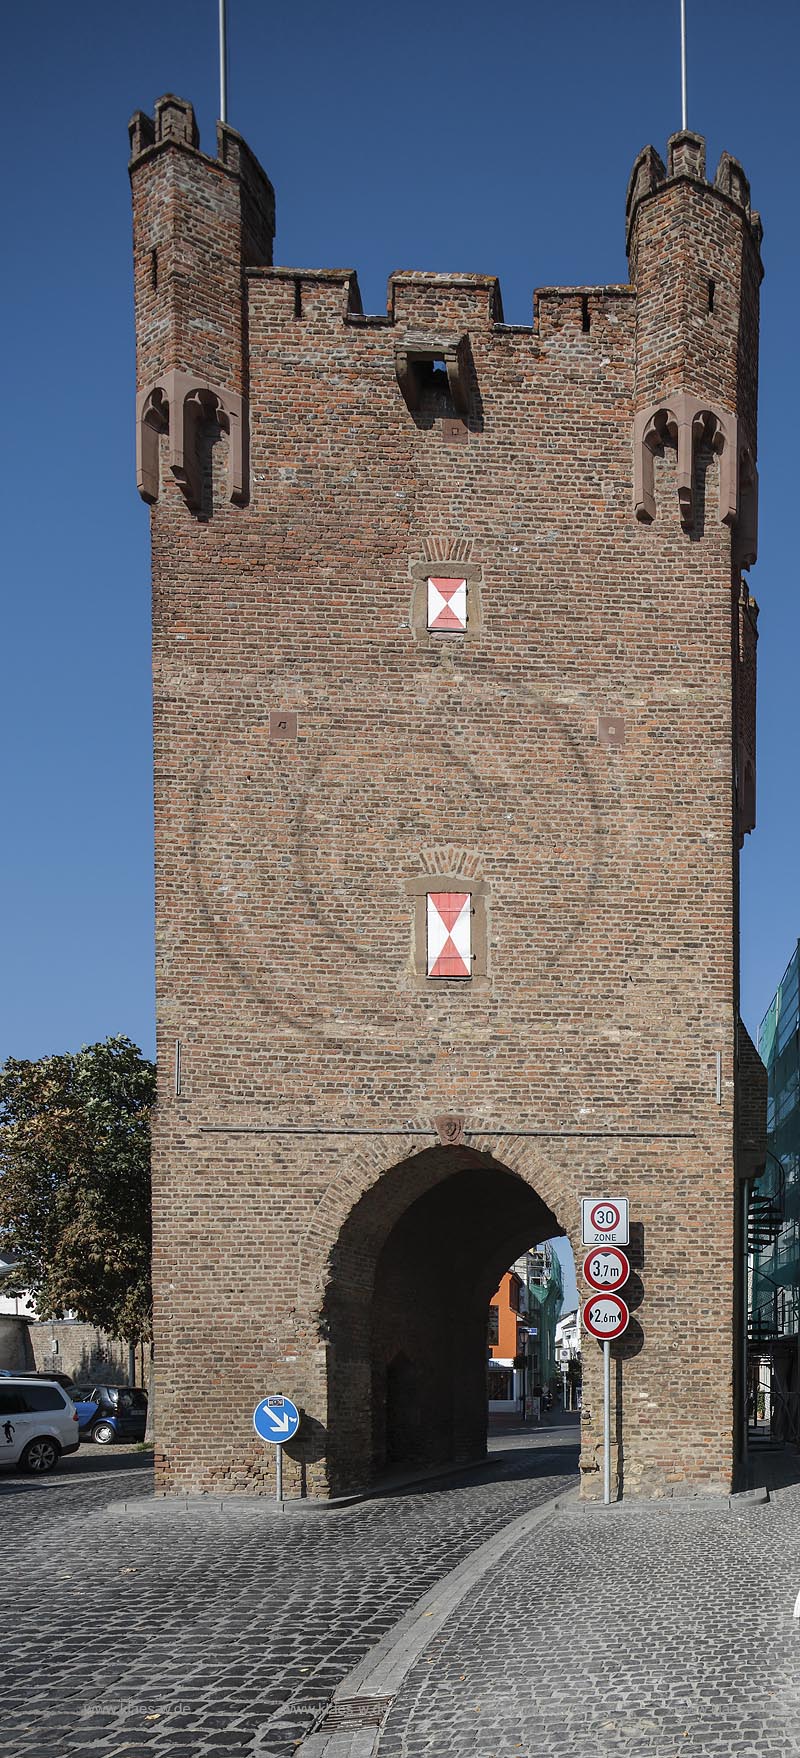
x=685 y=422
x=421 y=573
x=420 y=348
x=417 y=889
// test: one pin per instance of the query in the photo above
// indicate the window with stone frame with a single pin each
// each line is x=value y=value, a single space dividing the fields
x=450 y=941
x=446 y=602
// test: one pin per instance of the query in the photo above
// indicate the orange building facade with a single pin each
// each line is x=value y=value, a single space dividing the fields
x=506 y=1316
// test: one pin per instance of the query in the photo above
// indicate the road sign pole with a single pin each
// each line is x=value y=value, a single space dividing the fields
x=606 y=1420
x=276 y=1419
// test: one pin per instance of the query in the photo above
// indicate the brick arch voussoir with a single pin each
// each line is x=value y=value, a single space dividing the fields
x=531 y=1161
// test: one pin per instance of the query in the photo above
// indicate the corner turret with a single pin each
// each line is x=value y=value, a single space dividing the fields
x=695 y=263
x=198 y=223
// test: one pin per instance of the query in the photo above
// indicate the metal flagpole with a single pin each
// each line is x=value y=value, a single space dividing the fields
x=684 y=123
x=223 y=64
x=606 y=1420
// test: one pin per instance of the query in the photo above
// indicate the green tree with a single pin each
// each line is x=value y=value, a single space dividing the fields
x=75 y=1183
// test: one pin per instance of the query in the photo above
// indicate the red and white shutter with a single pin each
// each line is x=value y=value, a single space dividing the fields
x=447 y=605
x=449 y=934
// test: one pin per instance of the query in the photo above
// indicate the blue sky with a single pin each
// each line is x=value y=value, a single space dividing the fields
x=498 y=139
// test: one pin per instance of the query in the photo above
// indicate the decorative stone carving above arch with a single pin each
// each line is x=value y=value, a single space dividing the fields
x=179 y=403
x=685 y=421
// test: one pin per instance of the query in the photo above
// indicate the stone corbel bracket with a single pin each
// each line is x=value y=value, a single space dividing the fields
x=179 y=403
x=416 y=350
x=747 y=522
x=685 y=421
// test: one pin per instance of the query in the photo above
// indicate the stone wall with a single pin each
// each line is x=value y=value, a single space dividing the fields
x=62 y=1346
x=16 y=1353
x=81 y=1350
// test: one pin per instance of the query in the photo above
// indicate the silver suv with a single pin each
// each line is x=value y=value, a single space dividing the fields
x=38 y=1422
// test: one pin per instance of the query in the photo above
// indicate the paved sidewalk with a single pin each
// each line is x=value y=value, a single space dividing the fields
x=638 y=1631
x=132 y=1628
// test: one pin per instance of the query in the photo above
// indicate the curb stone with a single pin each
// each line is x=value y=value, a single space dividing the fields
x=366 y=1695
x=303 y=1505
x=268 y=1505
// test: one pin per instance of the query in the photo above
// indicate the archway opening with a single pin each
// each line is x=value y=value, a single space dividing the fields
x=405 y=1314
x=534 y=1364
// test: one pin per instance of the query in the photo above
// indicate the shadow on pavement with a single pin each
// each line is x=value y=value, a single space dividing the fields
x=515 y=1450
x=773 y=1468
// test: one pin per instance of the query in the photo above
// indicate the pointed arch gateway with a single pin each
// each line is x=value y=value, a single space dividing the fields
x=410 y=1278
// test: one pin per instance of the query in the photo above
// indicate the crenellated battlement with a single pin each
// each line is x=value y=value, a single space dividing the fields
x=480 y=296
x=694 y=251
x=174 y=125
x=686 y=159
x=685 y=326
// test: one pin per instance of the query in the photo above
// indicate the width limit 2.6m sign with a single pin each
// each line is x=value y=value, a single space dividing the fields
x=605 y=1316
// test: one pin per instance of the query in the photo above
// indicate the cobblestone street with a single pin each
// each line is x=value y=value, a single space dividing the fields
x=153 y=1629
x=641 y=1631
x=143 y=1629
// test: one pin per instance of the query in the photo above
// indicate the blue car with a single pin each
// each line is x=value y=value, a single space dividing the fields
x=111 y=1413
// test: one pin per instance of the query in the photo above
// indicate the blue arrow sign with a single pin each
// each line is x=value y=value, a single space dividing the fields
x=276 y=1419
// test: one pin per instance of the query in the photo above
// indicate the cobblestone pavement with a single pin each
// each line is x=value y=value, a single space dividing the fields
x=646 y=1631
x=151 y=1630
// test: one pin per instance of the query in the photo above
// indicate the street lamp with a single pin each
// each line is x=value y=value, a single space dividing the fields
x=522 y=1350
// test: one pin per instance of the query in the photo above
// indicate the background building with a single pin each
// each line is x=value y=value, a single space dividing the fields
x=60 y=1345
x=523 y=1315
x=506 y=1383
x=545 y=1295
x=568 y=1357
x=774 y=1329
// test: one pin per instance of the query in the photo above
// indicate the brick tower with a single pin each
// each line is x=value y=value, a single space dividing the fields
x=454 y=750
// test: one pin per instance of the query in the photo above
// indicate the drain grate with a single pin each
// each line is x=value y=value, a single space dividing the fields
x=355 y=1712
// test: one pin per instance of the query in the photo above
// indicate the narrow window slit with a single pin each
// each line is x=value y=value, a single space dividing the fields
x=585 y=320
x=154 y=269
x=298 y=296
x=711 y=291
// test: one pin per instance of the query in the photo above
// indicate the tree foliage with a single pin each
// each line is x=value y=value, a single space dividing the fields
x=75 y=1183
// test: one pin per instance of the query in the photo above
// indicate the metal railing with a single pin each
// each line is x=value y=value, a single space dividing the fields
x=766 y=1208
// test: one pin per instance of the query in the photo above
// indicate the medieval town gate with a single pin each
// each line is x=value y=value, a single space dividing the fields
x=454 y=751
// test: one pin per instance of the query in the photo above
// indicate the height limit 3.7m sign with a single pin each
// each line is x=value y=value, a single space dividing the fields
x=606 y=1268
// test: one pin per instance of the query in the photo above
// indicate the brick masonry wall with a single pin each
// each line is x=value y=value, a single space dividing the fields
x=300 y=1191
x=82 y=1350
x=62 y=1346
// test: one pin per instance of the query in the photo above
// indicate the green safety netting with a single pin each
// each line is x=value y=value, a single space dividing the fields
x=775 y=1278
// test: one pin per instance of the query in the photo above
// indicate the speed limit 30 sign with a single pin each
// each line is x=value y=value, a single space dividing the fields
x=604 y=1220
x=605 y=1315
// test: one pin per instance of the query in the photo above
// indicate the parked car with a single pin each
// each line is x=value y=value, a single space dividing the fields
x=112 y=1413
x=38 y=1422
x=61 y=1379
